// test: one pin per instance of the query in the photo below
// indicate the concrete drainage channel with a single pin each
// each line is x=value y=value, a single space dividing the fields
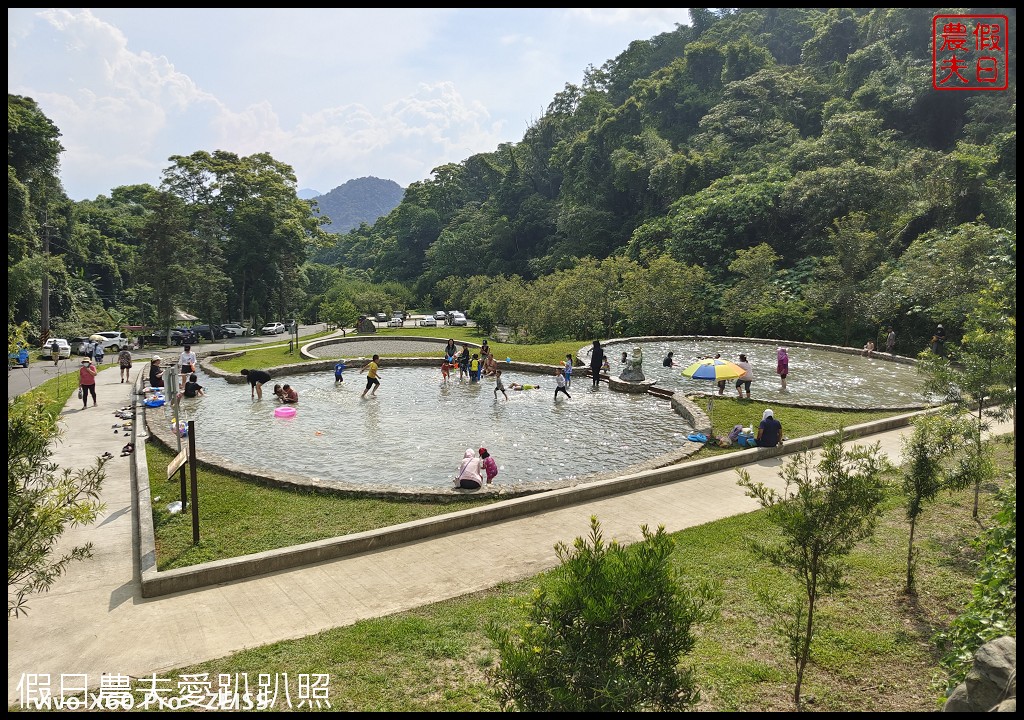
x=156 y=583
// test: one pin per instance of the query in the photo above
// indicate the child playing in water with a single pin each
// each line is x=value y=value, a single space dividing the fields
x=446 y=368
x=339 y=368
x=489 y=465
x=192 y=388
x=560 y=384
x=289 y=394
x=568 y=370
x=279 y=392
x=499 y=386
x=517 y=386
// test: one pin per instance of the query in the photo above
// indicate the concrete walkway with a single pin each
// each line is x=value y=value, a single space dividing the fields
x=95 y=620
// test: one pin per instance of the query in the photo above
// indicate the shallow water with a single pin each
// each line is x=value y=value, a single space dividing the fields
x=414 y=432
x=816 y=376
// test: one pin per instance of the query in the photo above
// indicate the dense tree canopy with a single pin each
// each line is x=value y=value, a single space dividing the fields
x=813 y=136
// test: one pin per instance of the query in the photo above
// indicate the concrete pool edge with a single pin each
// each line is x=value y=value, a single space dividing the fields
x=155 y=583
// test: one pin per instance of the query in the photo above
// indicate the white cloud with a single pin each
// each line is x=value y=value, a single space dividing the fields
x=334 y=93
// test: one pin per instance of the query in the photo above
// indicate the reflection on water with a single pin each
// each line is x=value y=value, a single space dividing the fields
x=815 y=376
x=414 y=432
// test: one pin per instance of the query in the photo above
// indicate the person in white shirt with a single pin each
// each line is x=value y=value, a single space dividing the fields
x=187 y=361
x=744 y=380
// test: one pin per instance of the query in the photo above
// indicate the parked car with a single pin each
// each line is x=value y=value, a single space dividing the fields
x=114 y=340
x=78 y=345
x=237 y=329
x=459 y=319
x=63 y=347
x=381 y=317
x=441 y=316
x=274 y=328
x=396 y=322
x=212 y=332
x=428 y=322
x=18 y=358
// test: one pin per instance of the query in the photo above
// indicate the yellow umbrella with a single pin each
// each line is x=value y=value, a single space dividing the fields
x=715 y=369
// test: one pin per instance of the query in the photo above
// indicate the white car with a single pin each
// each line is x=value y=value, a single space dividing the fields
x=236 y=329
x=396 y=322
x=63 y=348
x=272 y=328
x=113 y=341
x=459 y=319
x=428 y=322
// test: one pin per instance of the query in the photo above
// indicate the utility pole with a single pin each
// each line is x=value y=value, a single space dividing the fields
x=44 y=320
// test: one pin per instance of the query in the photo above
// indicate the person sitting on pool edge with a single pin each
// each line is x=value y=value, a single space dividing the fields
x=769 y=432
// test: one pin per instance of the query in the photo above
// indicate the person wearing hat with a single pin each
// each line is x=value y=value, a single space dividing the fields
x=769 y=432
x=490 y=467
x=156 y=372
x=87 y=383
x=188 y=361
x=468 y=475
x=939 y=340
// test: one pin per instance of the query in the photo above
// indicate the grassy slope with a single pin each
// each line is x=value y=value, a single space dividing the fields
x=873 y=651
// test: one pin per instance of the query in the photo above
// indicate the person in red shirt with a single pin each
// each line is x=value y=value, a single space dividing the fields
x=87 y=383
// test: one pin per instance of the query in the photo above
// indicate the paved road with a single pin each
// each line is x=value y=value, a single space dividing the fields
x=20 y=380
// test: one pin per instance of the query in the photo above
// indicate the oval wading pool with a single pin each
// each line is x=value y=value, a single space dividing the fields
x=817 y=376
x=413 y=433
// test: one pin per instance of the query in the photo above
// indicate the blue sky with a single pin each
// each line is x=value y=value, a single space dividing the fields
x=335 y=94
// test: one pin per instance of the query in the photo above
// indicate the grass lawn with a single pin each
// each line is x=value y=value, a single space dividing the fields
x=873 y=651
x=551 y=353
x=241 y=517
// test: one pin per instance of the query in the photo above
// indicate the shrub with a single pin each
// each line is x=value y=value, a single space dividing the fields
x=605 y=632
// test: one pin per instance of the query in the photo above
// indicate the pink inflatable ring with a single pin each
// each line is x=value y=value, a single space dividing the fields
x=284 y=412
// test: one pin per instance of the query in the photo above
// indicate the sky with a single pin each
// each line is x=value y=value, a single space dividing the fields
x=336 y=94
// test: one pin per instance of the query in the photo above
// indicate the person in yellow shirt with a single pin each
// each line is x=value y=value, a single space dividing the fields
x=474 y=368
x=372 y=375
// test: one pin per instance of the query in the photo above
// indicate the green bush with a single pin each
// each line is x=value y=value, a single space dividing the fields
x=992 y=610
x=605 y=633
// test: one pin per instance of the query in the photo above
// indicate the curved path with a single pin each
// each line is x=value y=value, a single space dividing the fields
x=95 y=620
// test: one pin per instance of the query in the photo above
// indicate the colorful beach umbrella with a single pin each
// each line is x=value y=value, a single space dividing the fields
x=713 y=369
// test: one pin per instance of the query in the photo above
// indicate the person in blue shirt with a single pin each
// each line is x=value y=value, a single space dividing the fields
x=339 y=368
x=769 y=432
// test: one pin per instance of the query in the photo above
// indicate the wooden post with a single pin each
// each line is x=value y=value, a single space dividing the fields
x=195 y=482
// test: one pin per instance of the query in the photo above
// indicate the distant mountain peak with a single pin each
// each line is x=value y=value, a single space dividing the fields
x=358 y=201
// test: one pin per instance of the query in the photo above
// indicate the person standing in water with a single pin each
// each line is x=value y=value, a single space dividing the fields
x=372 y=375
x=560 y=384
x=744 y=380
x=782 y=365
x=596 y=353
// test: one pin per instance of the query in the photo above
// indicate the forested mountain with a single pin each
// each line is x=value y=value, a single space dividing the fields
x=359 y=201
x=773 y=172
x=796 y=165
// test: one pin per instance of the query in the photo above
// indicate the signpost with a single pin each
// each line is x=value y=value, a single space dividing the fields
x=177 y=462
